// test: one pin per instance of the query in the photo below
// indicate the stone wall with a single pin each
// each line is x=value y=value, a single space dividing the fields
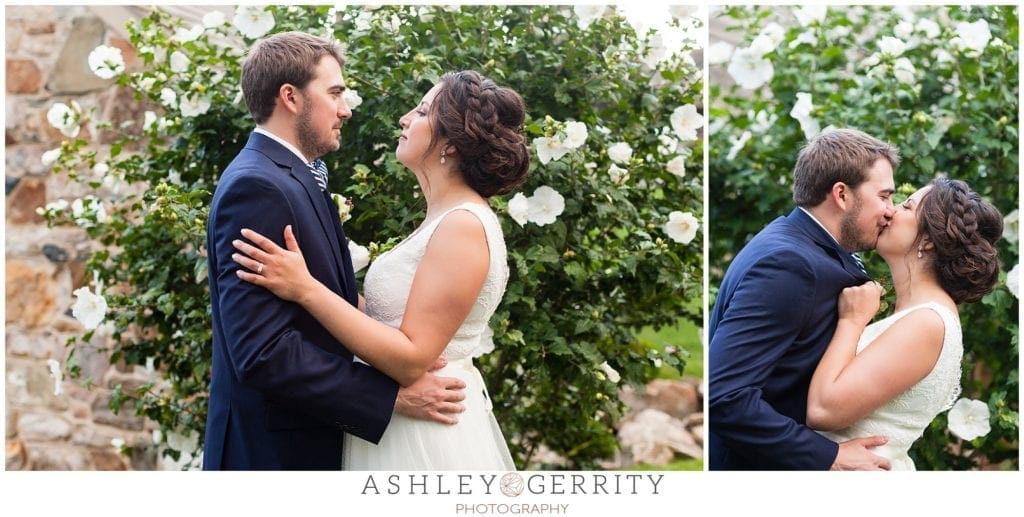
x=46 y=50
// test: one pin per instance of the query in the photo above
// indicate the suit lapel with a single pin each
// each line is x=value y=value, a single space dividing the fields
x=319 y=200
x=327 y=217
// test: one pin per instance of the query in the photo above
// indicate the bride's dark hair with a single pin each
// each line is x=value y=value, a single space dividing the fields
x=484 y=122
x=964 y=229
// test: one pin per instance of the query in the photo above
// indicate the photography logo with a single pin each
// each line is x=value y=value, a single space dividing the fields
x=476 y=492
x=512 y=484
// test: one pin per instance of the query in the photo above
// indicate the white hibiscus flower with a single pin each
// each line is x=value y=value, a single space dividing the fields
x=587 y=14
x=904 y=71
x=676 y=166
x=253 y=21
x=519 y=208
x=930 y=29
x=1011 y=226
x=360 y=255
x=838 y=32
x=686 y=121
x=169 y=98
x=681 y=227
x=1013 y=280
x=891 y=46
x=762 y=45
x=575 y=134
x=972 y=37
x=194 y=105
x=968 y=419
x=809 y=14
x=545 y=205
x=148 y=119
x=85 y=209
x=352 y=98
x=775 y=32
x=106 y=62
x=50 y=157
x=146 y=84
x=344 y=207
x=618 y=174
x=802 y=113
x=183 y=35
x=613 y=375
x=683 y=11
x=903 y=30
x=737 y=144
x=719 y=53
x=667 y=144
x=620 y=152
x=179 y=62
x=213 y=19
x=749 y=69
x=90 y=308
x=549 y=149
x=65 y=118
x=806 y=37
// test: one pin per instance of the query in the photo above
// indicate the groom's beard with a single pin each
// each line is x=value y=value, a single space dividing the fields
x=310 y=142
x=850 y=237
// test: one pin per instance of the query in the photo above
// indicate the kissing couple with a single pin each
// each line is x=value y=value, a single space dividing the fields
x=799 y=377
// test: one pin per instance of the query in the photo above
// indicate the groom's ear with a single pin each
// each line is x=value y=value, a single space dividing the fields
x=841 y=194
x=288 y=96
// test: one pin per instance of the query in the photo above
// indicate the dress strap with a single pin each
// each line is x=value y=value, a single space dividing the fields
x=947 y=315
x=492 y=227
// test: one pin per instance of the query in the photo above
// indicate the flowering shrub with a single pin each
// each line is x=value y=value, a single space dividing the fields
x=603 y=244
x=941 y=84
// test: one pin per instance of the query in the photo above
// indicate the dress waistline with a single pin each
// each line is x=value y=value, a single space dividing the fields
x=466 y=364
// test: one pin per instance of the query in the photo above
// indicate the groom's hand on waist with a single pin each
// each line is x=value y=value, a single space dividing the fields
x=855 y=454
x=432 y=398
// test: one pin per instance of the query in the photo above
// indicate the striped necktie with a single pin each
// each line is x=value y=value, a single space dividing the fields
x=319 y=170
x=860 y=263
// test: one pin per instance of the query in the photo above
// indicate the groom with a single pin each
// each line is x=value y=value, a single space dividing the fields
x=284 y=391
x=776 y=310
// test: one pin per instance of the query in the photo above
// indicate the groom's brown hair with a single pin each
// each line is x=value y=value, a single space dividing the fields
x=284 y=58
x=833 y=156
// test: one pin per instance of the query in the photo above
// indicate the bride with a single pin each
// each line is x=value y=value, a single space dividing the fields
x=433 y=294
x=894 y=376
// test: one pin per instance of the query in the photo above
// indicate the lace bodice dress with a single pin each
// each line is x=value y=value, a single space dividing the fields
x=904 y=418
x=476 y=442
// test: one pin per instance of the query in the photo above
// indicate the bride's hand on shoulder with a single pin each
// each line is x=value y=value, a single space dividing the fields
x=282 y=271
x=859 y=303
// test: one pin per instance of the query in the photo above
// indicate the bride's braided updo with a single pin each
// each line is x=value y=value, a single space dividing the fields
x=964 y=229
x=484 y=123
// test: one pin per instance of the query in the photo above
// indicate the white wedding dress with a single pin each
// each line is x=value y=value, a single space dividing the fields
x=904 y=418
x=476 y=441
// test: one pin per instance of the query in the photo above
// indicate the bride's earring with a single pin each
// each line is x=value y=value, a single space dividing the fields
x=920 y=252
x=443 y=153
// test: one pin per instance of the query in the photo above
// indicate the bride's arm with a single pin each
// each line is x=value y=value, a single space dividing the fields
x=847 y=386
x=447 y=283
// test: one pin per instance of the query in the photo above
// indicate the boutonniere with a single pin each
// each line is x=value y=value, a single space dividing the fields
x=344 y=206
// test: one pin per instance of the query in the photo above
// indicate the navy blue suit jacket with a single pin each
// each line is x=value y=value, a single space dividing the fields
x=283 y=390
x=774 y=316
